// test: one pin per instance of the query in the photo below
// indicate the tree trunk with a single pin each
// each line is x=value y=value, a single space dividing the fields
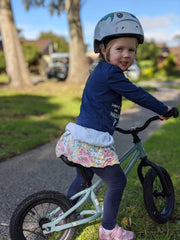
x=78 y=70
x=15 y=63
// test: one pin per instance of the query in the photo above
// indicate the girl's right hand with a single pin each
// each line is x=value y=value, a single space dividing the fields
x=164 y=117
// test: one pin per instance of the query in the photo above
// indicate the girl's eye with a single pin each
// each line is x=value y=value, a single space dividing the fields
x=131 y=50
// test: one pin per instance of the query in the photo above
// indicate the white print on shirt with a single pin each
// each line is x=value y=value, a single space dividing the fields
x=116 y=106
x=116 y=113
x=115 y=122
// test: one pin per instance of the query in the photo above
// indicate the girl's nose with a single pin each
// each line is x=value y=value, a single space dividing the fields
x=126 y=53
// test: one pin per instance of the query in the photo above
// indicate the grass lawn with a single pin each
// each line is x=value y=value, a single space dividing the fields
x=35 y=116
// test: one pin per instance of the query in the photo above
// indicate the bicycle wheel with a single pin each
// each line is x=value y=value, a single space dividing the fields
x=27 y=220
x=159 y=205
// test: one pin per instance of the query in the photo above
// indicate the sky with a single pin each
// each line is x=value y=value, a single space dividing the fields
x=160 y=19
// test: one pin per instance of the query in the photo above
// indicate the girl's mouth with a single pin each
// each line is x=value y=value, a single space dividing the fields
x=124 y=63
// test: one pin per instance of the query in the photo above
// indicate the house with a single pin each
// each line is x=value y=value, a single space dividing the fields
x=176 y=52
x=44 y=45
x=165 y=51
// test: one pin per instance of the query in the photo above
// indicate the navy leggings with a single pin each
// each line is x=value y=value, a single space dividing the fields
x=115 y=179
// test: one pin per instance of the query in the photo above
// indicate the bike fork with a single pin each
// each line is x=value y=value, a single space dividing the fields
x=144 y=163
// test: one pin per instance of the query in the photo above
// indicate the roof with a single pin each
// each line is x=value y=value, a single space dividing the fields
x=42 y=44
x=161 y=45
x=175 y=50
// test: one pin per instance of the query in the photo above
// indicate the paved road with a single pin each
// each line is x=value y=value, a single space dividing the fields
x=39 y=169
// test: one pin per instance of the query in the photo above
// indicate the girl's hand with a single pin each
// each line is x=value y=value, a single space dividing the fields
x=163 y=117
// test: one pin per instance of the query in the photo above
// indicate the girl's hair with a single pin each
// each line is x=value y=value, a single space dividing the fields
x=107 y=48
x=105 y=57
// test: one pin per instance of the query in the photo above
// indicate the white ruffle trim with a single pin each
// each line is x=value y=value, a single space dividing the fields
x=90 y=136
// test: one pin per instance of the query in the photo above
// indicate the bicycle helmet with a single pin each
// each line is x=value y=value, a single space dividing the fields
x=115 y=25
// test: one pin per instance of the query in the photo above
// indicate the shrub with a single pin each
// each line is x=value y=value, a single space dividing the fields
x=169 y=65
x=149 y=72
x=31 y=53
x=2 y=62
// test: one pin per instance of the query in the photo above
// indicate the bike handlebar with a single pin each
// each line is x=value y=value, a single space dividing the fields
x=172 y=113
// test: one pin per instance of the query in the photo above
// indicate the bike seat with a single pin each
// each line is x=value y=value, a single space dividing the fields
x=71 y=164
x=81 y=168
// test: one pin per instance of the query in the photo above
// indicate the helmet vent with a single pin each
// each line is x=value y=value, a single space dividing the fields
x=119 y=15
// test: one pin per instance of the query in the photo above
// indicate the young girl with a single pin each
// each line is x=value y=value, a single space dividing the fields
x=89 y=141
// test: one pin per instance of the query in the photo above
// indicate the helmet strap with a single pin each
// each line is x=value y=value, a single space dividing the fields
x=101 y=56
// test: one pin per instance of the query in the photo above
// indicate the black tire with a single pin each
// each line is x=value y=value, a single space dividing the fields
x=159 y=205
x=26 y=223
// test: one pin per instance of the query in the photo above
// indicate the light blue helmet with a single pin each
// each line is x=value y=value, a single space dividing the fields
x=117 y=24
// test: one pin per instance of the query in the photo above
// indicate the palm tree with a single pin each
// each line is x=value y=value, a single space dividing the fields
x=15 y=63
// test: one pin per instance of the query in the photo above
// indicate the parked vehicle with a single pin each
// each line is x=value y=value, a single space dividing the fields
x=58 y=66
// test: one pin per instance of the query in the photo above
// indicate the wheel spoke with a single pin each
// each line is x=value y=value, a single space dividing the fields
x=39 y=234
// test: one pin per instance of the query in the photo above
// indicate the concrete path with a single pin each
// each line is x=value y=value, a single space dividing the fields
x=39 y=169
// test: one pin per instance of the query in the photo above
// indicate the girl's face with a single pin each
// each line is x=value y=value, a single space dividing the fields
x=122 y=52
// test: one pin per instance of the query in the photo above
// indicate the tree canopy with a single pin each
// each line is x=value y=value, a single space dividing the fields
x=53 y=5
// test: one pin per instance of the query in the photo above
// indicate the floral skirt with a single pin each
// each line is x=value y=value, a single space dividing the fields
x=84 y=153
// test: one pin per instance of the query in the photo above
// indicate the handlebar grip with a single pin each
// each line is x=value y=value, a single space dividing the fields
x=174 y=112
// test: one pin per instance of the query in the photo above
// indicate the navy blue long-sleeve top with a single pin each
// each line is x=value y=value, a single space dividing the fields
x=102 y=98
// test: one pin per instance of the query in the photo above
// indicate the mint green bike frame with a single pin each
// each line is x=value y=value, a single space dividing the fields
x=138 y=152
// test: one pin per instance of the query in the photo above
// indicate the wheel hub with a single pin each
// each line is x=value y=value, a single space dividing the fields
x=44 y=221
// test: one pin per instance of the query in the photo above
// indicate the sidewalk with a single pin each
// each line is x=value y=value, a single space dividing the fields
x=39 y=169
